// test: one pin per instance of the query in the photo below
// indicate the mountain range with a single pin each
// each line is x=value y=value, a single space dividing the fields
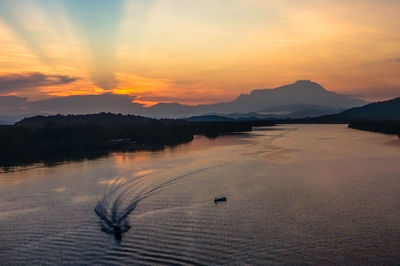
x=300 y=99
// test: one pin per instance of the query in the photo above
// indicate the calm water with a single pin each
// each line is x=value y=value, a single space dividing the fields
x=312 y=194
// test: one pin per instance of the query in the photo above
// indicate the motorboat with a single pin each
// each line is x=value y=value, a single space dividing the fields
x=117 y=231
x=219 y=199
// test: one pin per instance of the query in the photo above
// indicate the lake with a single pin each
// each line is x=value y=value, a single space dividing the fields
x=310 y=194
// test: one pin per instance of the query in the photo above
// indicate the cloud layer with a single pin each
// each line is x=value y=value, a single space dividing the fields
x=29 y=80
x=200 y=51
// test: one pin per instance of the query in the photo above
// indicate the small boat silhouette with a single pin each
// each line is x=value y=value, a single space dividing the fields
x=219 y=199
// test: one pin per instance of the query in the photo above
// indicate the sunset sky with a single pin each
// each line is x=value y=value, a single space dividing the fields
x=197 y=51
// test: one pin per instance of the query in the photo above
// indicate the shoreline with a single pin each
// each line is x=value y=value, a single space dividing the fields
x=54 y=139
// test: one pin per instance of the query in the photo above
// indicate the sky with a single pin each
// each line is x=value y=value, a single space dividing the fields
x=197 y=51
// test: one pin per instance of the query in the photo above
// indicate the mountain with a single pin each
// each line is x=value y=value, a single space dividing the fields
x=14 y=108
x=86 y=104
x=302 y=98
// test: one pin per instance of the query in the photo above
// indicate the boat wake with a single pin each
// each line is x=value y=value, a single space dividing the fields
x=122 y=196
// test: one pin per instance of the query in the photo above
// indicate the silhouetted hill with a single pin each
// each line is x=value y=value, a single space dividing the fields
x=86 y=104
x=383 y=117
x=385 y=110
x=378 y=111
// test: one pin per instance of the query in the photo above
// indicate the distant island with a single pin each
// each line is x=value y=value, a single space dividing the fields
x=53 y=139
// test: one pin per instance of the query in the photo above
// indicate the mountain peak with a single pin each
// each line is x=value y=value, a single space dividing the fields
x=306 y=82
x=306 y=85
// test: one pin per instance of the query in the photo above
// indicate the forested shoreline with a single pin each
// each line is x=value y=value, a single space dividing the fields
x=53 y=139
x=386 y=127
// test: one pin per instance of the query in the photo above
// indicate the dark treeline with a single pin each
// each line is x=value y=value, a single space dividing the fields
x=214 y=129
x=51 y=139
x=387 y=127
